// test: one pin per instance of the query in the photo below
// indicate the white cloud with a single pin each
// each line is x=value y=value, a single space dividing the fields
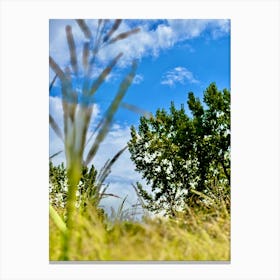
x=147 y=42
x=179 y=75
x=188 y=29
x=165 y=35
x=138 y=79
x=221 y=28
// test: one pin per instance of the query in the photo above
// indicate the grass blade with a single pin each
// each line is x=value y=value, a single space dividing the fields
x=56 y=69
x=55 y=154
x=120 y=210
x=112 y=30
x=70 y=95
x=55 y=127
x=100 y=30
x=57 y=220
x=104 y=74
x=94 y=131
x=136 y=109
x=86 y=56
x=84 y=27
x=124 y=35
x=72 y=49
x=104 y=195
x=106 y=170
x=111 y=112
x=52 y=83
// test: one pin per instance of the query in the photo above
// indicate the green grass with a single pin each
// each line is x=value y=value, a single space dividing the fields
x=200 y=235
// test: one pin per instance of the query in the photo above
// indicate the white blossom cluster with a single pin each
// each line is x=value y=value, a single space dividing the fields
x=58 y=193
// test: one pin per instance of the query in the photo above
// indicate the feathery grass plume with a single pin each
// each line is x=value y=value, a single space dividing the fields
x=128 y=106
x=72 y=97
x=55 y=127
x=110 y=113
x=55 y=154
x=85 y=110
x=94 y=131
x=72 y=49
x=84 y=27
x=112 y=30
x=103 y=195
x=124 y=35
x=86 y=56
x=104 y=74
x=106 y=169
x=98 y=39
x=56 y=69
x=65 y=89
x=52 y=83
x=76 y=117
x=67 y=102
x=136 y=109
x=52 y=122
x=118 y=216
x=140 y=199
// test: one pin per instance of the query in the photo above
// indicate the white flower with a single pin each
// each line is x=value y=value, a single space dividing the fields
x=158 y=169
x=168 y=170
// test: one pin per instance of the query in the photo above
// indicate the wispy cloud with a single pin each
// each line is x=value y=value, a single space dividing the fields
x=178 y=75
x=154 y=37
x=138 y=79
x=188 y=29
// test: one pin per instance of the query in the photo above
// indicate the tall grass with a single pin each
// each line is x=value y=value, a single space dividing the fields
x=77 y=111
x=202 y=235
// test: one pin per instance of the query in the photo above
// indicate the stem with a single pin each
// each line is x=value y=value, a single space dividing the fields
x=225 y=170
x=74 y=175
x=57 y=220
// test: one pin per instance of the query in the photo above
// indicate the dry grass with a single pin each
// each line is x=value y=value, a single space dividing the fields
x=192 y=236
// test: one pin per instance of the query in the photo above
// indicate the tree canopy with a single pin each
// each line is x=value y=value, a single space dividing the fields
x=177 y=153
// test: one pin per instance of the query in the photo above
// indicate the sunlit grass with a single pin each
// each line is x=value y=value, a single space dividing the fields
x=191 y=236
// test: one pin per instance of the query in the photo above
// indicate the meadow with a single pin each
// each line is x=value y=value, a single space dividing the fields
x=196 y=234
x=79 y=230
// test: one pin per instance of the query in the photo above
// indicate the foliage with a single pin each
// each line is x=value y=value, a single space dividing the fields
x=58 y=186
x=177 y=153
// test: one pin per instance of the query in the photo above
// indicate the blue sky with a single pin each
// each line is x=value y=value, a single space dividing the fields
x=174 y=58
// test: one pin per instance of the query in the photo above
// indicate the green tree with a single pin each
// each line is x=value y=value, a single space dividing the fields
x=177 y=153
x=87 y=191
